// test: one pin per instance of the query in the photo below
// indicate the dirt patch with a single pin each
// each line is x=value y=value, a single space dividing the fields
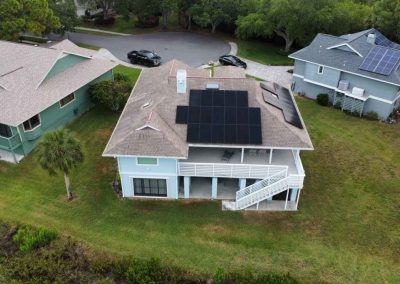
x=7 y=245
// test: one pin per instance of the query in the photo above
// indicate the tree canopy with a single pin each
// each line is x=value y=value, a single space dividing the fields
x=32 y=16
x=65 y=10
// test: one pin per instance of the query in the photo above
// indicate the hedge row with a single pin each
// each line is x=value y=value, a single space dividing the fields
x=54 y=259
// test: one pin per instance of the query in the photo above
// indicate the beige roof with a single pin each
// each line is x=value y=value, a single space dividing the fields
x=147 y=124
x=23 y=90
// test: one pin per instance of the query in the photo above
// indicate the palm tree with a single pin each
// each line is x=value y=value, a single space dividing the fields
x=60 y=151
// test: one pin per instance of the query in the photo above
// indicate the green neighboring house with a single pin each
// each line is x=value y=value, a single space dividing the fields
x=43 y=88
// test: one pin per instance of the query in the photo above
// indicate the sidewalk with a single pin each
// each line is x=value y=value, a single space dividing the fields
x=276 y=74
x=101 y=31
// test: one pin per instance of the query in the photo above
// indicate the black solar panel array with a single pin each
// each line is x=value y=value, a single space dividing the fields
x=281 y=98
x=218 y=116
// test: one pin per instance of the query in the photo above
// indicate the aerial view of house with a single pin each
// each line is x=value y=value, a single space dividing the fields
x=359 y=71
x=43 y=88
x=201 y=141
x=184 y=134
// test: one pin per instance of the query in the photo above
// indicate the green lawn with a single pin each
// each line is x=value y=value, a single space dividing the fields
x=132 y=73
x=263 y=52
x=346 y=231
x=89 y=46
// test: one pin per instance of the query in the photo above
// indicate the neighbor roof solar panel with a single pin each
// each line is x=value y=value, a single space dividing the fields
x=218 y=116
x=381 y=60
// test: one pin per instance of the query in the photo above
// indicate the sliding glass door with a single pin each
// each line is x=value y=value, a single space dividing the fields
x=150 y=187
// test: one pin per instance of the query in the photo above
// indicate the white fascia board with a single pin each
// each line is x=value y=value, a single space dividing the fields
x=375 y=79
x=348 y=45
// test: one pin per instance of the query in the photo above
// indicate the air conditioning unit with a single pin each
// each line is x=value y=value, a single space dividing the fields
x=358 y=92
x=343 y=85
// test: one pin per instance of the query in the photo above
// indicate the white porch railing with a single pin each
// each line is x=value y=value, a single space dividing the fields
x=262 y=193
x=229 y=170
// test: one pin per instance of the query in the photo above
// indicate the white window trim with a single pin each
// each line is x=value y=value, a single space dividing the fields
x=37 y=126
x=146 y=165
x=322 y=70
x=59 y=102
x=148 y=177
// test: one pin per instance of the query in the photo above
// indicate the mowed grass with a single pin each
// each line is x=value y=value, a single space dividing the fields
x=263 y=52
x=132 y=73
x=88 y=46
x=346 y=229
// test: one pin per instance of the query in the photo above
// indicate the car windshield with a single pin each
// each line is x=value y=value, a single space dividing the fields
x=150 y=54
x=234 y=60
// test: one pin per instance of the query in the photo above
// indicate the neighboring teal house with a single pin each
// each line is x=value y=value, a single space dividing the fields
x=184 y=134
x=359 y=71
x=42 y=89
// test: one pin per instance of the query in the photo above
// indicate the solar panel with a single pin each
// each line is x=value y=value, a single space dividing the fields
x=182 y=114
x=242 y=98
x=242 y=115
x=193 y=132
x=230 y=98
x=218 y=116
x=282 y=99
x=380 y=39
x=206 y=114
x=194 y=114
x=195 y=99
x=381 y=60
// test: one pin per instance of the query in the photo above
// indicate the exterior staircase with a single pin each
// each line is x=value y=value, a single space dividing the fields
x=259 y=191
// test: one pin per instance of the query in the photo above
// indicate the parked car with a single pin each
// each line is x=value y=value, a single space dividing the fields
x=232 y=60
x=144 y=57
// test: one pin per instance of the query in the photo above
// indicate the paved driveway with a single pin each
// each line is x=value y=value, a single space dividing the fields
x=193 y=49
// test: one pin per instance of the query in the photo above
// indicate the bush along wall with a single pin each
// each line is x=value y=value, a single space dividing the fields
x=323 y=99
x=38 y=255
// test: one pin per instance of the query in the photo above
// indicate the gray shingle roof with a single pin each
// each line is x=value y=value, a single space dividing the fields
x=318 y=53
x=23 y=92
x=147 y=124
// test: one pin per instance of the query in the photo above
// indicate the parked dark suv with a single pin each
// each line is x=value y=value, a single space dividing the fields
x=144 y=57
x=232 y=60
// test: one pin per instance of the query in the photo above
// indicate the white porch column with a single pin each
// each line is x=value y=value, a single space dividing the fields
x=242 y=156
x=298 y=197
x=270 y=156
x=214 y=188
x=186 y=186
x=287 y=196
x=293 y=194
x=242 y=183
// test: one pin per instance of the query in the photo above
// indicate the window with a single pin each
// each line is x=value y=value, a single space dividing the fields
x=320 y=69
x=5 y=131
x=147 y=161
x=150 y=187
x=32 y=123
x=67 y=99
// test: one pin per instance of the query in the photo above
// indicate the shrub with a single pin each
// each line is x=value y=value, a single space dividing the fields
x=112 y=94
x=144 y=272
x=100 y=21
x=323 y=99
x=29 y=238
x=121 y=77
x=371 y=115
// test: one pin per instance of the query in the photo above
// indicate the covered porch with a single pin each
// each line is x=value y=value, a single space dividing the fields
x=272 y=160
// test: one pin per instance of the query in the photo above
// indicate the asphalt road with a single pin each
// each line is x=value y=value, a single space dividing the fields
x=193 y=49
